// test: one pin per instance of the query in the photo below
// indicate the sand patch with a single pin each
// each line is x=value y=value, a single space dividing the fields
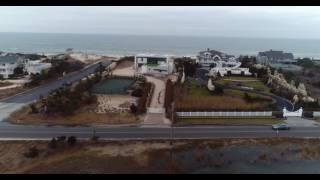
x=114 y=103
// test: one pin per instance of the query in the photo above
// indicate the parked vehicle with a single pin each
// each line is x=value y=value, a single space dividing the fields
x=68 y=83
x=280 y=127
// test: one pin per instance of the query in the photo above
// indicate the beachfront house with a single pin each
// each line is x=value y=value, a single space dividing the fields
x=9 y=62
x=213 y=58
x=35 y=67
x=278 y=59
x=220 y=63
x=153 y=64
x=275 y=57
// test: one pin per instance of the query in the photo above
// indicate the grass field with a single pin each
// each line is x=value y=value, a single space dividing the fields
x=245 y=81
x=238 y=93
x=83 y=116
x=228 y=121
x=192 y=97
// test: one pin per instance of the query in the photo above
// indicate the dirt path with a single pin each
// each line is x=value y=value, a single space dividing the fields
x=156 y=113
x=128 y=71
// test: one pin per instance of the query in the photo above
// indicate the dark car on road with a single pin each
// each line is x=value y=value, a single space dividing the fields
x=280 y=127
x=68 y=83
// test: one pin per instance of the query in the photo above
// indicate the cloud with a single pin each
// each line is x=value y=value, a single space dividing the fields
x=269 y=21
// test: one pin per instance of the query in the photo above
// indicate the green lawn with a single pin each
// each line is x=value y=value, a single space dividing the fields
x=229 y=121
x=241 y=78
x=198 y=91
x=251 y=82
x=238 y=93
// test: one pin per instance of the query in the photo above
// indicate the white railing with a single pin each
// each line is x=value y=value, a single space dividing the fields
x=222 y=114
x=297 y=113
x=316 y=114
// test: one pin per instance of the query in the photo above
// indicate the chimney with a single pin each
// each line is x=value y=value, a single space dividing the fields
x=208 y=49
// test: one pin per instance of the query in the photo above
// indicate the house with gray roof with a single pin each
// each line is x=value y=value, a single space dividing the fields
x=211 y=57
x=275 y=57
x=8 y=63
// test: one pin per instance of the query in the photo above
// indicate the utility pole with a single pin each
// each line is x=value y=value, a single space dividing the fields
x=172 y=117
x=171 y=142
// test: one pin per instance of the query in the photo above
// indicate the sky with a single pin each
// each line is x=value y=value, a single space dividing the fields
x=263 y=22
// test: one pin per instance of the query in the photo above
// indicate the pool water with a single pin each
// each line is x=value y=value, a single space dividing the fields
x=113 y=86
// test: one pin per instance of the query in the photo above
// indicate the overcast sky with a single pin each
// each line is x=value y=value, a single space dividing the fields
x=278 y=22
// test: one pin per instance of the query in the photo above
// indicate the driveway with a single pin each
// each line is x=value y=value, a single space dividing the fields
x=156 y=113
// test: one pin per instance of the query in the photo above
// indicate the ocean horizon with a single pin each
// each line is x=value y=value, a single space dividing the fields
x=126 y=45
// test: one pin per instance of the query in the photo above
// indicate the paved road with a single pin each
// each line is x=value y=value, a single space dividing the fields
x=200 y=132
x=13 y=103
x=281 y=102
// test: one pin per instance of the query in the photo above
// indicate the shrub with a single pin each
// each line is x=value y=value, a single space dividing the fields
x=277 y=114
x=247 y=97
x=189 y=65
x=32 y=152
x=137 y=92
x=53 y=143
x=308 y=114
x=133 y=109
x=95 y=138
x=18 y=71
x=142 y=102
x=61 y=138
x=66 y=100
x=168 y=94
x=72 y=140
x=34 y=109
x=218 y=90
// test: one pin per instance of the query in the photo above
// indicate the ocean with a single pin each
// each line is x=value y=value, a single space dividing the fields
x=119 y=45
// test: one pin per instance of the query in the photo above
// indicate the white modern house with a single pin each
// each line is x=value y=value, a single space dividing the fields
x=34 y=67
x=213 y=58
x=9 y=62
x=153 y=64
x=221 y=63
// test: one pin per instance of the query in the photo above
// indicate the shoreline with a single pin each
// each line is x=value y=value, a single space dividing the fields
x=124 y=54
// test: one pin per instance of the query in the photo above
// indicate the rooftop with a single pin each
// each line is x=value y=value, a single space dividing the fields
x=276 y=54
x=9 y=59
x=215 y=52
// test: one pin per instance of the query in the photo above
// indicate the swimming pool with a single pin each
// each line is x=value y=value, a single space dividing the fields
x=113 y=86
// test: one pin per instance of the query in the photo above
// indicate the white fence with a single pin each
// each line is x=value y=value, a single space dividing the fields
x=287 y=113
x=222 y=114
x=316 y=114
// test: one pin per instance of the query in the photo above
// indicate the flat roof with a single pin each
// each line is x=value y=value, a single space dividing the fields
x=8 y=59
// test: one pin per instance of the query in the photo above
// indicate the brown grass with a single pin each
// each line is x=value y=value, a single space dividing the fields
x=84 y=116
x=133 y=156
x=3 y=84
x=124 y=64
x=10 y=92
x=215 y=103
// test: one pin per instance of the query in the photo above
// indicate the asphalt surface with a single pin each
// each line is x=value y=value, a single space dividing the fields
x=44 y=90
x=124 y=133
